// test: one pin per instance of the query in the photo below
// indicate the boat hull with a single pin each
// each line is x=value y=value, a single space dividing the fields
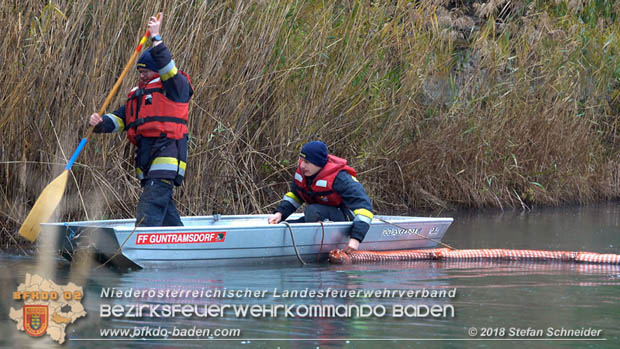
x=222 y=240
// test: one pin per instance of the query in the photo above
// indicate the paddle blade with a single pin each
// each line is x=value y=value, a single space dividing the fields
x=44 y=207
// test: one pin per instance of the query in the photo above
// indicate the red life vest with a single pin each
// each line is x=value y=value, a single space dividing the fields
x=321 y=191
x=149 y=113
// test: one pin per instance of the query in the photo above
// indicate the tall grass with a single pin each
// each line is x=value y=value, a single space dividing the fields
x=436 y=105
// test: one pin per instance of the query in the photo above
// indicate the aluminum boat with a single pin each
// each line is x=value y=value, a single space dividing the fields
x=222 y=240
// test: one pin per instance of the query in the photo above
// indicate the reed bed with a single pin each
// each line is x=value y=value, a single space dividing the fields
x=437 y=104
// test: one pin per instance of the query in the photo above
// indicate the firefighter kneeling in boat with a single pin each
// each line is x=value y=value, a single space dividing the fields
x=329 y=188
x=155 y=118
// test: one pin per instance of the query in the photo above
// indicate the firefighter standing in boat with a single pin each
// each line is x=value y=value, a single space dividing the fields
x=329 y=188
x=155 y=118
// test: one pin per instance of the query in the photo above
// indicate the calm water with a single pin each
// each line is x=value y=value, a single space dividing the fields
x=508 y=301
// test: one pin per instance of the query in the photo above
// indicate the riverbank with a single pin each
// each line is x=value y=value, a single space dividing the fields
x=437 y=107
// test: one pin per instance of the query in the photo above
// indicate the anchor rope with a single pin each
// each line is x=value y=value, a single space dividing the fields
x=318 y=255
x=294 y=244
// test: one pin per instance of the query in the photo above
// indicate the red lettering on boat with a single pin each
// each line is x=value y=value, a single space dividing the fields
x=180 y=238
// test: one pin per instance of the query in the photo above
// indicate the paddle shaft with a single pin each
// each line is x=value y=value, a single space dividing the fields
x=120 y=79
x=51 y=195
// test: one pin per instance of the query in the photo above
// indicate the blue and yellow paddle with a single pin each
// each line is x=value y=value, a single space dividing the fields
x=51 y=195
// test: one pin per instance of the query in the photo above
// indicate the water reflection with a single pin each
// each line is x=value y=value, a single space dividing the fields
x=488 y=294
x=536 y=295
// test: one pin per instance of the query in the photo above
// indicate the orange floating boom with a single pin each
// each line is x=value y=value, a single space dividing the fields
x=340 y=257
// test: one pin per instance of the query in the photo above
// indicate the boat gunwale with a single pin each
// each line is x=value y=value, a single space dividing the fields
x=126 y=225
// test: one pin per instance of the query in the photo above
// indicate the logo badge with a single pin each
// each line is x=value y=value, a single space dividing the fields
x=46 y=308
x=36 y=319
